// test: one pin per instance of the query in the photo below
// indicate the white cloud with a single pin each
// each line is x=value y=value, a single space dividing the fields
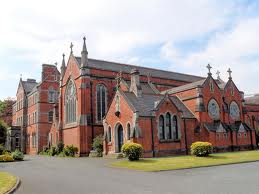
x=36 y=32
x=236 y=48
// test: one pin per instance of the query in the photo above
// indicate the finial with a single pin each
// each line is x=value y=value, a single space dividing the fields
x=84 y=45
x=63 y=60
x=71 y=47
x=229 y=72
x=218 y=74
x=209 y=68
x=63 y=55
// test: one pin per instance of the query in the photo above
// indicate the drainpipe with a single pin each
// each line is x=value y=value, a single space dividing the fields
x=152 y=137
x=92 y=119
x=251 y=136
x=185 y=137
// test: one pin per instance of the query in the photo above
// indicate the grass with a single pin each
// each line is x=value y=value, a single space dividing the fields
x=183 y=162
x=7 y=181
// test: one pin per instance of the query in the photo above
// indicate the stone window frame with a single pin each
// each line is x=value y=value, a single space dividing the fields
x=101 y=102
x=70 y=103
x=51 y=95
x=211 y=116
x=178 y=128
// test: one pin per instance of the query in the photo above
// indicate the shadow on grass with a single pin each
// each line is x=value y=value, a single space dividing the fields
x=217 y=157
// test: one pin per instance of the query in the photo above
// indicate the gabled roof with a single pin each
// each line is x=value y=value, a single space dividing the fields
x=146 y=88
x=185 y=87
x=217 y=127
x=27 y=85
x=147 y=103
x=221 y=83
x=113 y=66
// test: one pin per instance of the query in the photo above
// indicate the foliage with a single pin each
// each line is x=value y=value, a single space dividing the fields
x=70 y=150
x=6 y=158
x=201 y=149
x=2 y=149
x=6 y=152
x=60 y=147
x=6 y=107
x=132 y=150
x=98 y=144
x=17 y=155
x=3 y=130
x=62 y=154
x=52 y=151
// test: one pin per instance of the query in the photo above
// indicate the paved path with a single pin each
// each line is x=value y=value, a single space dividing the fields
x=48 y=175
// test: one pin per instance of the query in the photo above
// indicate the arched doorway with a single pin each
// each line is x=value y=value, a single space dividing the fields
x=118 y=138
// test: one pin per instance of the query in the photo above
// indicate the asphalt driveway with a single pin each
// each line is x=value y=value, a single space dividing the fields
x=50 y=175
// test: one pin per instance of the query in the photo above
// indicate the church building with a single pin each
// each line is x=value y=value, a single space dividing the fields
x=163 y=111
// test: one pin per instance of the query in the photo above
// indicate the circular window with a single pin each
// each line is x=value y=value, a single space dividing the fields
x=213 y=109
x=234 y=111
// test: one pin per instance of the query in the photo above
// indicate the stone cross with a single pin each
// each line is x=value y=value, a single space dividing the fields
x=71 y=47
x=218 y=73
x=209 y=68
x=229 y=72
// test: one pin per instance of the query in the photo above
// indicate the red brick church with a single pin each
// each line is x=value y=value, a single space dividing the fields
x=162 y=110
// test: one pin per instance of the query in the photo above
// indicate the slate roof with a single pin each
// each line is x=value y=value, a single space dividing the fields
x=146 y=104
x=185 y=87
x=214 y=127
x=29 y=85
x=221 y=83
x=113 y=66
x=146 y=89
x=252 y=100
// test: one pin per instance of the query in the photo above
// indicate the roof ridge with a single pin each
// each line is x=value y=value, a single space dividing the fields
x=156 y=69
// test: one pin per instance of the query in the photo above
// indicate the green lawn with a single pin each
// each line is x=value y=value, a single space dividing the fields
x=7 y=181
x=181 y=162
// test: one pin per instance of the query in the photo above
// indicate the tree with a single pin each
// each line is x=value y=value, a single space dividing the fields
x=6 y=107
x=3 y=130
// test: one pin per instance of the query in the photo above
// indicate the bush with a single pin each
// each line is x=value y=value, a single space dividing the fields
x=17 y=155
x=62 y=154
x=70 y=150
x=98 y=145
x=201 y=149
x=132 y=150
x=60 y=147
x=2 y=149
x=6 y=158
x=6 y=152
x=52 y=151
x=45 y=149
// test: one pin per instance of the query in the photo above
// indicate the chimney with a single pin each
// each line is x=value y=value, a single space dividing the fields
x=135 y=83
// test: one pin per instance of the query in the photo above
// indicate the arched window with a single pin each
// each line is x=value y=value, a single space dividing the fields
x=161 y=127
x=128 y=131
x=70 y=103
x=176 y=129
x=101 y=101
x=168 y=126
x=109 y=134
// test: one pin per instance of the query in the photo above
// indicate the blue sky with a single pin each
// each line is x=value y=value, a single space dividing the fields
x=180 y=36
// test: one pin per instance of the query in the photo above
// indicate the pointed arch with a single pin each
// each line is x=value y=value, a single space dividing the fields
x=70 y=103
x=101 y=102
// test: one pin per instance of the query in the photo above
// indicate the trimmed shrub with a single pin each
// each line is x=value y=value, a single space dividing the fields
x=6 y=158
x=60 y=147
x=133 y=151
x=98 y=145
x=52 y=151
x=17 y=155
x=70 y=150
x=201 y=149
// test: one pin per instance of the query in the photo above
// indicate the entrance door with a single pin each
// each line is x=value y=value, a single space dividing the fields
x=120 y=137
